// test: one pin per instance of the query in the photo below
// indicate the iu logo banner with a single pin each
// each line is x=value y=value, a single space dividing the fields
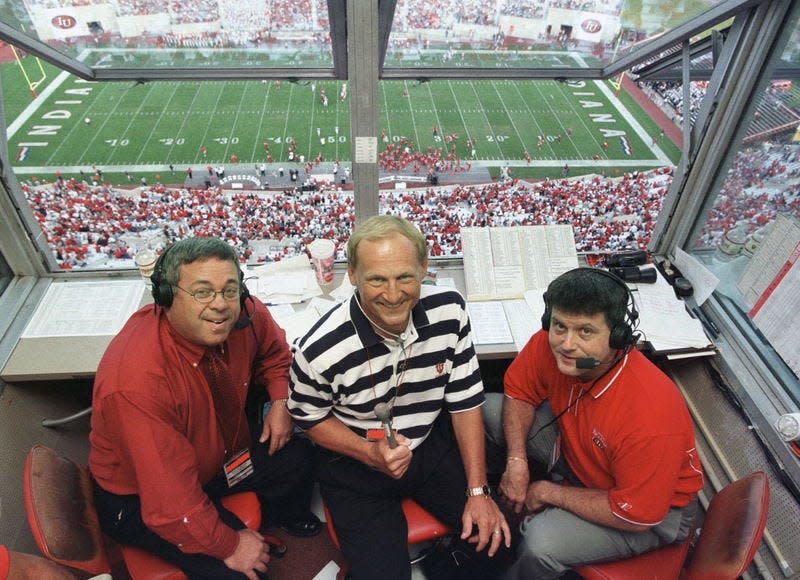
x=591 y=26
x=439 y=368
x=64 y=21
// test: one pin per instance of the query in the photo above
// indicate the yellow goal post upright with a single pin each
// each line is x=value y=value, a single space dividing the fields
x=617 y=83
x=33 y=84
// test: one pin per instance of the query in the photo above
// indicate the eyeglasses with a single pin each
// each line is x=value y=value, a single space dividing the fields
x=207 y=295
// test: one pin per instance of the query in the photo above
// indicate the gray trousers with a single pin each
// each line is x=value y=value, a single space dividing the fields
x=554 y=540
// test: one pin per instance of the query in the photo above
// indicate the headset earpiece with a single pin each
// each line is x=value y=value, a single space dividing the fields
x=546 y=314
x=244 y=292
x=623 y=332
x=160 y=288
x=162 y=292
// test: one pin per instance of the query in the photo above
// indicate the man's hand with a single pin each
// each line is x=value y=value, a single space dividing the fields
x=534 y=498
x=277 y=427
x=392 y=462
x=483 y=513
x=251 y=554
x=514 y=484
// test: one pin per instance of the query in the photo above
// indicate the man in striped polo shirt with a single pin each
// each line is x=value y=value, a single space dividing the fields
x=408 y=347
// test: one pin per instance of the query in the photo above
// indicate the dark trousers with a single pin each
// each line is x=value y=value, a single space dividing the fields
x=365 y=504
x=283 y=482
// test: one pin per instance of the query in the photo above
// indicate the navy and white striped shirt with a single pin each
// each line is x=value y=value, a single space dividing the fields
x=342 y=368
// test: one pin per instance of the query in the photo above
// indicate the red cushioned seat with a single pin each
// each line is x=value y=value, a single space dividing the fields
x=422 y=527
x=59 y=506
x=143 y=565
x=729 y=538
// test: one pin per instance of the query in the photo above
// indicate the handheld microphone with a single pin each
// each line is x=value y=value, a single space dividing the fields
x=382 y=413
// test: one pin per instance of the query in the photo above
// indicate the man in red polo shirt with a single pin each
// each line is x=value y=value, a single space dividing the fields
x=583 y=403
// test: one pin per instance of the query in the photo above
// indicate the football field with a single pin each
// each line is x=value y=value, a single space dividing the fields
x=73 y=125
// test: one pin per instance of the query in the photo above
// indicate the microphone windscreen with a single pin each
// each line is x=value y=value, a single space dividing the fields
x=586 y=363
x=382 y=412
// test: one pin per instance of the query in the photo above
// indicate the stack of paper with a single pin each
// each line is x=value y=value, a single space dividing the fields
x=289 y=281
x=664 y=321
x=503 y=262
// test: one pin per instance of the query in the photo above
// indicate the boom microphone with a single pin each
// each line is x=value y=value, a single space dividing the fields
x=586 y=363
x=589 y=363
x=382 y=413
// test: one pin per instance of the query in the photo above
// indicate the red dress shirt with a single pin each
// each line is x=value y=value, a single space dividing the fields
x=154 y=429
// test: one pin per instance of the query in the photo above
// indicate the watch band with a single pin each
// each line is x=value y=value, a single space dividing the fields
x=478 y=491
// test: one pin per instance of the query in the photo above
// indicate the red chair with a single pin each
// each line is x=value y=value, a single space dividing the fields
x=422 y=527
x=145 y=566
x=730 y=535
x=19 y=566
x=59 y=507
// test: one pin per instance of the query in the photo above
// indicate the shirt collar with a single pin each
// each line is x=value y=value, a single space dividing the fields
x=368 y=335
x=614 y=374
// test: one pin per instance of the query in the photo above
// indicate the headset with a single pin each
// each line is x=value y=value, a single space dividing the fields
x=623 y=334
x=162 y=291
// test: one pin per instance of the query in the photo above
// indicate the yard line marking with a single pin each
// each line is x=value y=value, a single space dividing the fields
x=152 y=133
x=260 y=131
x=417 y=142
x=442 y=132
x=463 y=121
x=186 y=114
x=226 y=155
x=311 y=123
x=286 y=114
x=212 y=115
x=490 y=127
x=510 y=118
x=530 y=114
x=388 y=117
x=135 y=117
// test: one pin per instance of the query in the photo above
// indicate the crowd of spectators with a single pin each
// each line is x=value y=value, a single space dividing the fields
x=670 y=94
x=98 y=226
x=95 y=225
x=761 y=183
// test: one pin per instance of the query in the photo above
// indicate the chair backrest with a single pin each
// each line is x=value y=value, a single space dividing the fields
x=732 y=530
x=59 y=507
x=20 y=566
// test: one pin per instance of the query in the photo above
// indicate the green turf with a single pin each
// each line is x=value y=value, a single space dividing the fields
x=143 y=127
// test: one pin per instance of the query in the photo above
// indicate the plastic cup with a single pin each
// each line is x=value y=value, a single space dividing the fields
x=322 y=257
x=145 y=261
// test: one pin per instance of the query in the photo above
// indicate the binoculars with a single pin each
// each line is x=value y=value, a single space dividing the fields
x=635 y=274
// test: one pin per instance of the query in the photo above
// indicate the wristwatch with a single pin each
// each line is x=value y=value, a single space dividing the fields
x=478 y=491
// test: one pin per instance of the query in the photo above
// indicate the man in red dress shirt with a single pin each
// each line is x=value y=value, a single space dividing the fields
x=169 y=414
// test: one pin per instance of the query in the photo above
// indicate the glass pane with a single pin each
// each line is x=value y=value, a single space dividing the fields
x=500 y=153
x=110 y=168
x=151 y=33
x=514 y=34
x=750 y=238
